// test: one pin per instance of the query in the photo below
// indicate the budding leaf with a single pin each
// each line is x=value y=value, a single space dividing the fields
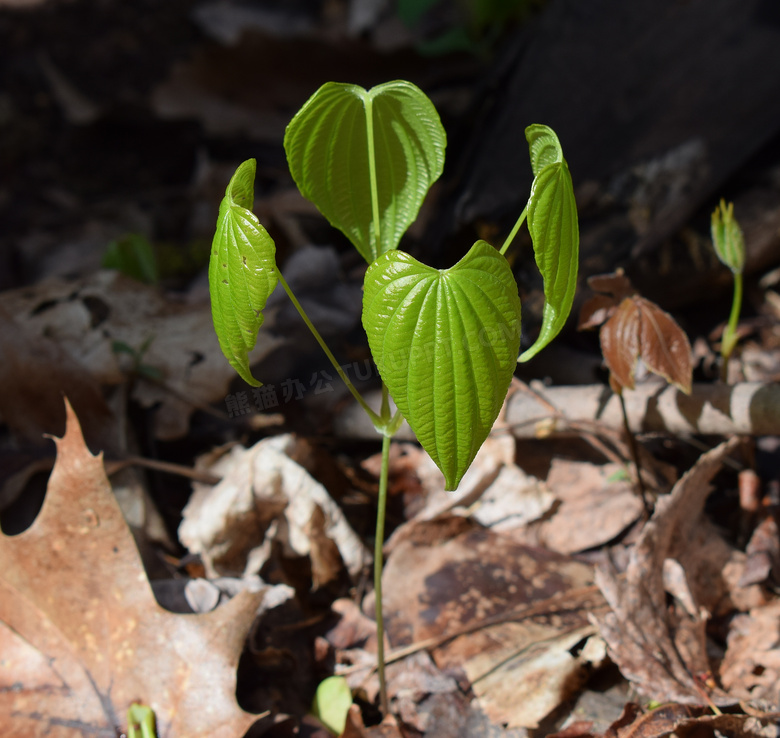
x=445 y=342
x=242 y=272
x=554 y=229
x=332 y=701
x=727 y=237
x=366 y=158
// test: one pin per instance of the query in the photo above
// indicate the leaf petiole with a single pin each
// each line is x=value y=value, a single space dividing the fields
x=515 y=229
x=379 y=422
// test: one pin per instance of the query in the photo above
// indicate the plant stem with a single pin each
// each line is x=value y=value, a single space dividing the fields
x=635 y=456
x=375 y=419
x=514 y=230
x=378 y=563
x=729 y=338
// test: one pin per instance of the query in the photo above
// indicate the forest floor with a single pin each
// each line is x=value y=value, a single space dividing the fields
x=544 y=596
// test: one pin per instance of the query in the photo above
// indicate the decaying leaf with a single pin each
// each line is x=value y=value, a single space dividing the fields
x=81 y=635
x=659 y=647
x=88 y=318
x=751 y=666
x=502 y=496
x=520 y=668
x=35 y=372
x=596 y=504
x=265 y=496
x=686 y=721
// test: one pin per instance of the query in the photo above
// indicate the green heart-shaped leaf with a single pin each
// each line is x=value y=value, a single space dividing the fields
x=552 y=222
x=242 y=272
x=366 y=158
x=445 y=342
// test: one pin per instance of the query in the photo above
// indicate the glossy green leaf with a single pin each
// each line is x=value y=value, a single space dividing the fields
x=242 y=272
x=727 y=237
x=554 y=229
x=366 y=158
x=332 y=701
x=445 y=343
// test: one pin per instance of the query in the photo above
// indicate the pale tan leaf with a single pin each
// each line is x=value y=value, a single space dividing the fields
x=82 y=636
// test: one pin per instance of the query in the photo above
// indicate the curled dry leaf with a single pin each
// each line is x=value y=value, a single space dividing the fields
x=659 y=647
x=266 y=495
x=81 y=635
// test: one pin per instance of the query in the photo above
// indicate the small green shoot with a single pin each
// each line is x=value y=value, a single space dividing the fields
x=332 y=701
x=730 y=247
x=140 y=722
x=139 y=368
x=445 y=341
x=134 y=256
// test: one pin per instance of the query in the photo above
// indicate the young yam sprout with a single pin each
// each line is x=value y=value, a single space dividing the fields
x=730 y=247
x=445 y=341
x=634 y=329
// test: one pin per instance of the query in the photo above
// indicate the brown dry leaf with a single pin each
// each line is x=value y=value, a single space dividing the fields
x=81 y=635
x=355 y=728
x=596 y=505
x=683 y=721
x=498 y=493
x=521 y=670
x=751 y=666
x=763 y=554
x=639 y=329
x=35 y=373
x=661 y=648
x=85 y=318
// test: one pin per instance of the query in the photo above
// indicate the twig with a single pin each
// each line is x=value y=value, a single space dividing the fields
x=582 y=597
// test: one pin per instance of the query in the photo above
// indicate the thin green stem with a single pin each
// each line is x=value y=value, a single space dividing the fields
x=375 y=419
x=729 y=339
x=378 y=562
x=372 y=172
x=513 y=233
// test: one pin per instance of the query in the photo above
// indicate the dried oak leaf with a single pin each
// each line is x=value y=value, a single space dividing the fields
x=81 y=635
x=661 y=646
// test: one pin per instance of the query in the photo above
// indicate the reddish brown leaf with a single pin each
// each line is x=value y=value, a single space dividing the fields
x=82 y=636
x=619 y=338
x=595 y=311
x=616 y=285
x=639 y=329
